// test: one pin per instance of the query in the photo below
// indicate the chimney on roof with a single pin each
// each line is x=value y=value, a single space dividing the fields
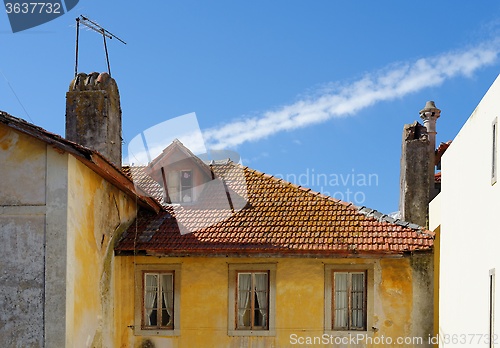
x=417 y=183
x=94 y=116
x=429 y=114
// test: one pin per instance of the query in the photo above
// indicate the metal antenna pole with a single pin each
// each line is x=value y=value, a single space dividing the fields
x=77 y=34
x=96 y=27
x=106 y=50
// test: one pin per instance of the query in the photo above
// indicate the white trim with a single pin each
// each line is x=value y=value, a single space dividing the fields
x=494 y=151
x=491 y=320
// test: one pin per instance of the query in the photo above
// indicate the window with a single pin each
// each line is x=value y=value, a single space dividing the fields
x=492 y=337
x=349 y=297
x=494 y=152
x=251 y=299
x=349 y=300
x=180 y=186
x=157 y=293
x=158 y=300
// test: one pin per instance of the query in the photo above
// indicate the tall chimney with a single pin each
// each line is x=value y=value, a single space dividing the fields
x=414 y=176
x=417 y=181
x=94 y=116
x=429 y=114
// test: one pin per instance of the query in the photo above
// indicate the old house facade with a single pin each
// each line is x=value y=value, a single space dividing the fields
x=286 y=266
x=183 y=253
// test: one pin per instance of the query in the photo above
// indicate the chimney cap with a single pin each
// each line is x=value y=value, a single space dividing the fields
x=430 y=110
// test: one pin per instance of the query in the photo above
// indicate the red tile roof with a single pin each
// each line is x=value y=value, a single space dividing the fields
x=277 y=218
x=437 y=177
x=440 y=151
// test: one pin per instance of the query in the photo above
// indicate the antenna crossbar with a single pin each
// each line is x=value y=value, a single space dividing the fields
x=97 y=28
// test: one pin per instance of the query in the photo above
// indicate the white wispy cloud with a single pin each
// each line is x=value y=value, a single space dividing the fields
x=394 y=81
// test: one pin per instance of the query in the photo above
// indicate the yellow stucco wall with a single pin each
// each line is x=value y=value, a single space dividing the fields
x=300 y=302
x=97 y=214
x=23 y=161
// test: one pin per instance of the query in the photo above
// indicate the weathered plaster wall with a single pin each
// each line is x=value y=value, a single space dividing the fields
x=422 y=266
x=97 y=214
x=56 y=248
x=300 y=290
x=22 y=171
x=22 y=229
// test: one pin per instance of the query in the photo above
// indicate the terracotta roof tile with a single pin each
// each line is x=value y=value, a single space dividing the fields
x=279 y=218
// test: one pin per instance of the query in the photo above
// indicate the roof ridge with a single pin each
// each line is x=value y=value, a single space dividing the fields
x=381 y=217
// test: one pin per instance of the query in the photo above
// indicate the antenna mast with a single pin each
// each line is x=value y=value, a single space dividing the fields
x=97 y=28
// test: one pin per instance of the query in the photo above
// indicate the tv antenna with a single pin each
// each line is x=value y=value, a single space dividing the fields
x=97 y=28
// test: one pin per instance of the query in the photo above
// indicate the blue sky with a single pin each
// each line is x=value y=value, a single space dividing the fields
x=317 y=91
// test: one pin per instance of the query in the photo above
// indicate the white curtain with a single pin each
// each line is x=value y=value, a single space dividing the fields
x=173 y=185
x=358 y=301
x=244 y=291
x=261 y=291
x=341 y=300
x=151 y=291
x=167 y=284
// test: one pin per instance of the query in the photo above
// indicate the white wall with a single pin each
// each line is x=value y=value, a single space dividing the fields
x=470 y=230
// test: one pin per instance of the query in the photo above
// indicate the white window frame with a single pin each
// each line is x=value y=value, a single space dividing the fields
x=368 y=269
x=140 y=271
x=234 y=270
x=492 y=337
x=494 y=146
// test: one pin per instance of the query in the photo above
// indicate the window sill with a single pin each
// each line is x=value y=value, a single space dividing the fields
x=349 y=333
x=153 y=332
x=266 y=333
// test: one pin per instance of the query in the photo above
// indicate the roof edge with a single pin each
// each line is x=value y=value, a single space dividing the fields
x=91 y=158
x=283 y=254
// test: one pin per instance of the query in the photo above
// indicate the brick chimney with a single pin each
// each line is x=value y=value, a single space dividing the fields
x=417 y=183
x=94 y=116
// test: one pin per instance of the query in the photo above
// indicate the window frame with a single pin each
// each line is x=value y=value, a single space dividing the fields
x=252 y=298
x=349 y=292
x=494 y=147
x=179 y=187
x=330 y=270
x=234 y=270
x=491 y=309
x=139 y=307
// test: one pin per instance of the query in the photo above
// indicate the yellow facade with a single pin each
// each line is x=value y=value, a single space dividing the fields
x=97 y=214
x=299 y=303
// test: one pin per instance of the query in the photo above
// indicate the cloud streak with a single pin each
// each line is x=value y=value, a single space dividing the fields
x=394 y=81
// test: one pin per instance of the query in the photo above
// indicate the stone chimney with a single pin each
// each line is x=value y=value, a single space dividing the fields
x=429 y=114
x=417 y=183
x=94 y=116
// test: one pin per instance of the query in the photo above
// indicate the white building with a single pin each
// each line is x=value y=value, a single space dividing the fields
x=466 y=216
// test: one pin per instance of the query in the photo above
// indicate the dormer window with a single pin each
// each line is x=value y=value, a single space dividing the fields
x=179 y=174
x=180 y=186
